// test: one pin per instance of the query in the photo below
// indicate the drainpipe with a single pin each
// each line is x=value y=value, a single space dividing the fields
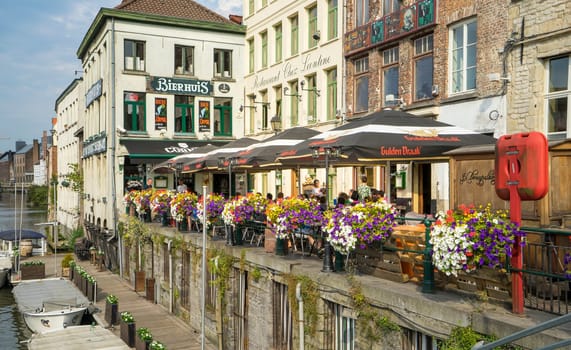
x=169 y=246
x=301 y=320
x=114 y=148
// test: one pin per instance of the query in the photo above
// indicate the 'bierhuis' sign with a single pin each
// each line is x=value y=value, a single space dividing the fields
x=182 y=86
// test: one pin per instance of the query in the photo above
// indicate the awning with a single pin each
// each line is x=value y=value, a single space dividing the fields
x=159 y=150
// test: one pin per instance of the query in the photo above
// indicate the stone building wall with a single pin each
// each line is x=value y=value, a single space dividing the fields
x=541 y=31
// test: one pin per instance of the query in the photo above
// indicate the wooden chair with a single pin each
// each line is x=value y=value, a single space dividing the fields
x=411 y=238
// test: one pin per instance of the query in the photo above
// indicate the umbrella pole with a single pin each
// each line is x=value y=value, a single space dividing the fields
x=298 y=173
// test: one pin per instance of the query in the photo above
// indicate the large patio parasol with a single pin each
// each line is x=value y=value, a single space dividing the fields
x=198 y=152
x=262 y=155
x=385 y=135
x=210 y=160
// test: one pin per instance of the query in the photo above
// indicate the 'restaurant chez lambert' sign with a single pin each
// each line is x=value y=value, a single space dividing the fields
x=181 y=86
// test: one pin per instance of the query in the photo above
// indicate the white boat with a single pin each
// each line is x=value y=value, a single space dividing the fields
x=57 y=316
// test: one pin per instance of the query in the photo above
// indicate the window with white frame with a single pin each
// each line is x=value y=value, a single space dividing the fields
x=361 y=66
x=222 y=63
x=391 y=76
x=423 y=67
x=361 y=12
x=312 y=26
x=251 y=56
x=134 y=51
x=294 y=36
x=184 y=60
x=332 y=13
x=558 y=94
x=463 y=40
x=279 y=40
x=264 y=39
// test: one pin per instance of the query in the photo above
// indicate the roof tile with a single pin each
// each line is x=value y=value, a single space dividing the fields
x=187 y=9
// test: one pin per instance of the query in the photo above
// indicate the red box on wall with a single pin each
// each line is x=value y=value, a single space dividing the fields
x=522 y=161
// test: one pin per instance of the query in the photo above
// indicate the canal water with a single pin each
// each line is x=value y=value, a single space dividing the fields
x=13 y=330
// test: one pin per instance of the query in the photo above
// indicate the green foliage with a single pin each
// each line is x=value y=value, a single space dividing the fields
x=112 y=299
x=144 y=334
x=220 y=264
x=37 y=196
x=256 y=274
x=66 y=261
x=310 y=295
x=127 y=317
x=135 y=230
x=32 y=263
x=75 y=234
x=75 y=177
x=370 y=323
x=464 y=338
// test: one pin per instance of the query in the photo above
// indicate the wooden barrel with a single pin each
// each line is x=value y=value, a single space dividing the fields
x=26 y=248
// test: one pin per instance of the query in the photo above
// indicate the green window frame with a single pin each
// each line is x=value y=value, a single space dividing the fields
x=312 y=25
x=332 y=30
x=251 y=56
x=251 y=7
x=294 y=35
x=184 y=114
x=264 y=37
x=134 y=111
x=331 y=94
x=311 y=99
x=294 y=104
x=279 y=40
x=223 y=116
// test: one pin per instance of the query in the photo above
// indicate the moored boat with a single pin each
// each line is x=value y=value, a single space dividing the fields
x=5 y=268
x=58 y=316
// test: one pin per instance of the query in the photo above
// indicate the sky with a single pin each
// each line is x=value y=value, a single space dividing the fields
x=38 y=44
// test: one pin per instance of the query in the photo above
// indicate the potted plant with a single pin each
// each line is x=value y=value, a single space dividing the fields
x=66 y=265
x=32 y=270
x=144 y=338
x=157 y=345
x=111 y=309
x=128 y=328
x=477 y=244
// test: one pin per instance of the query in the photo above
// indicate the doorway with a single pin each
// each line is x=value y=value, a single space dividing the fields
x=424 y=188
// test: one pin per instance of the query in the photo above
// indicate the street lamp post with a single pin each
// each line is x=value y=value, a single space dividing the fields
x=328 y=152
x=53 y=224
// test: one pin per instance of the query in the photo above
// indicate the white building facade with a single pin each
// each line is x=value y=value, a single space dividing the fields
x=295 y=75
x=155 y=86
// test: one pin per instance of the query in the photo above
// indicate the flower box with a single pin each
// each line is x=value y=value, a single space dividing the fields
x=150 y=290
x=127 y=332
x=33 y=271
x=139 y=281
x=111 y=313
x=495 y=283
x=380 y=263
